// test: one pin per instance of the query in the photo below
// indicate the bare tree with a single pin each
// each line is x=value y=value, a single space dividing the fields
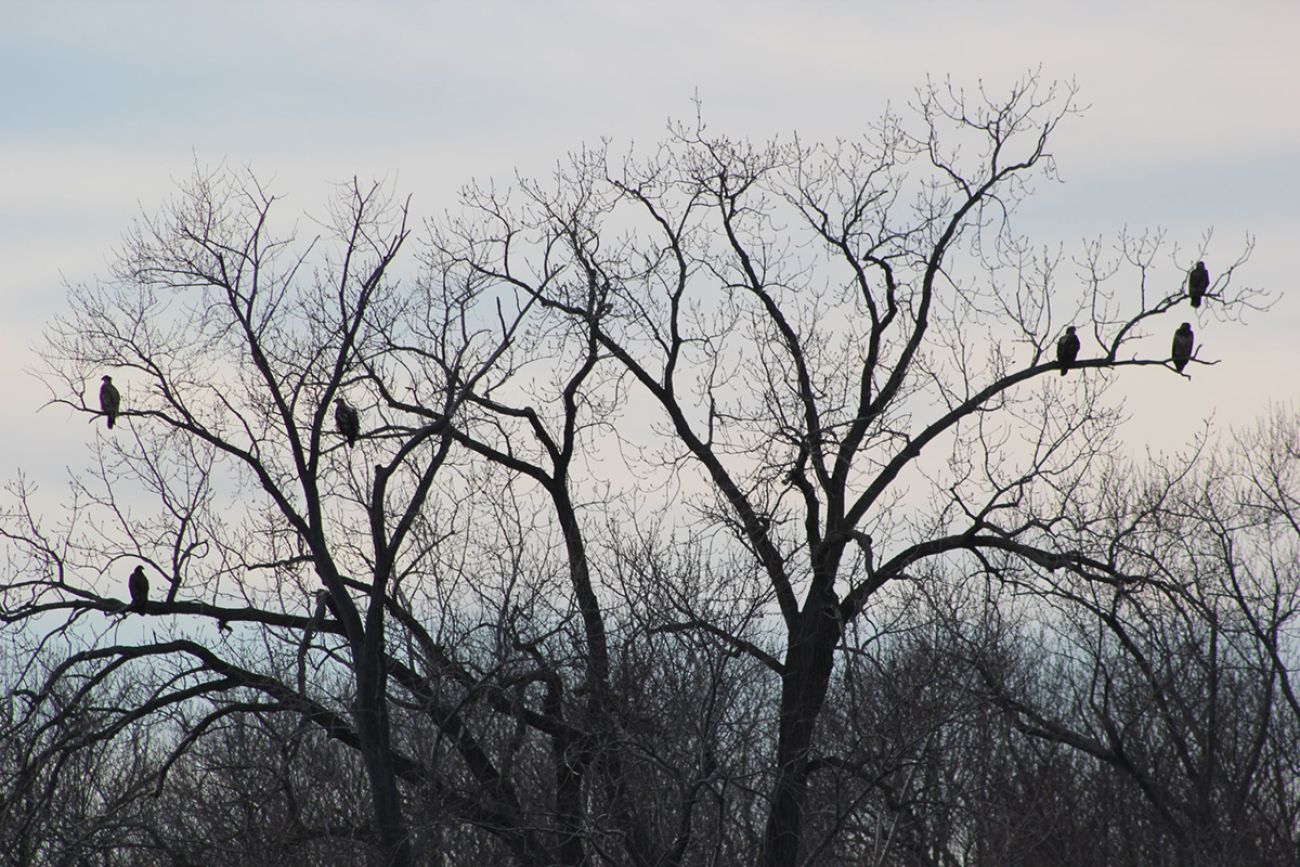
x=1182 y=683
x=637 y=453
x=796 y=317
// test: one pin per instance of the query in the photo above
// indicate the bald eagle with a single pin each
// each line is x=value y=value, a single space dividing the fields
x=109 y=400
x=1183 y=340
x=1198 y=280
x=1067 y=349
x=348 y=421
x=139 y=587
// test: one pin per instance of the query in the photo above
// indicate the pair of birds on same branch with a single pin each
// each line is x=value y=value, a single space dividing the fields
x=1198 y=282
x=347 y=419
x=349 y=423
x=1067 y=348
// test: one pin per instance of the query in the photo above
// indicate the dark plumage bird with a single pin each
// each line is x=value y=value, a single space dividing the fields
x=139 y=587
x=110 y=401
x=1183 y=341
x=1067 y=349
x=1198 y=281
x=348 y=421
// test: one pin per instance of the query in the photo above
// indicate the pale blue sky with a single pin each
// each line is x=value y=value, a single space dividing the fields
x=1193 y=124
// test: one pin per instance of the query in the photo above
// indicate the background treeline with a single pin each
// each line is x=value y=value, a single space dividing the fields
x=973 y=719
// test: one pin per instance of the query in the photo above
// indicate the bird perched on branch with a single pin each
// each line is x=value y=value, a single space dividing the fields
x=1183 y=341
x=1067 y=349
x=1198 y=281
x=110 y=401
x=139 y=587
x=348 y=421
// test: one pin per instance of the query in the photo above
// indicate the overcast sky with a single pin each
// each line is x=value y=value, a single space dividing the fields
x=1193 y=124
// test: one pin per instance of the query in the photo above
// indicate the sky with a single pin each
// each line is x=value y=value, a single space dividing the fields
x=1192 y=125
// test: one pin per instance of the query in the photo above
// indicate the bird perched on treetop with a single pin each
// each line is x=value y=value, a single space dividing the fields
x=348 y=421
x=109 y=400
x=1067 y=349
x=1198 y=281
x=139 y=587
x=1183 y=340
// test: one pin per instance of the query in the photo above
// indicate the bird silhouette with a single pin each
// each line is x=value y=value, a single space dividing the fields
x=348 y=421
x=139 y=587
x=110 y=401
x=1198 y=281
x=1067 y=349
x=1183 y=341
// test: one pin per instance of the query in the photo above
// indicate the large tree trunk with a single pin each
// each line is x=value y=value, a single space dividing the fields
x=808 y=662
x=372 y=729
x=639 y=848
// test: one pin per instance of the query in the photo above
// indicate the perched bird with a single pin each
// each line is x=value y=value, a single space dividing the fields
x=109 y=400
x=348 y=421
x=1067 y=349
x=1183 y=341
x=1198 y=280
x=139 y=587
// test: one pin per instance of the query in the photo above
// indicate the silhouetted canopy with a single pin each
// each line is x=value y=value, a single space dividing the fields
x=139 y=587
x=1067 y=349
x=1198 y=281
x=348 y=421
x=109 y=400
x=1183 y=341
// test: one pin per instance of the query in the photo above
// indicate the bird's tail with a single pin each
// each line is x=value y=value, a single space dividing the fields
x=110 y=422
x=1196 y=300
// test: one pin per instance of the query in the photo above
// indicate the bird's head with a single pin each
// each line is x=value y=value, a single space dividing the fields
x=1200 y=266
x=1070 y=330
x=107 y=378
x=1186 y=327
